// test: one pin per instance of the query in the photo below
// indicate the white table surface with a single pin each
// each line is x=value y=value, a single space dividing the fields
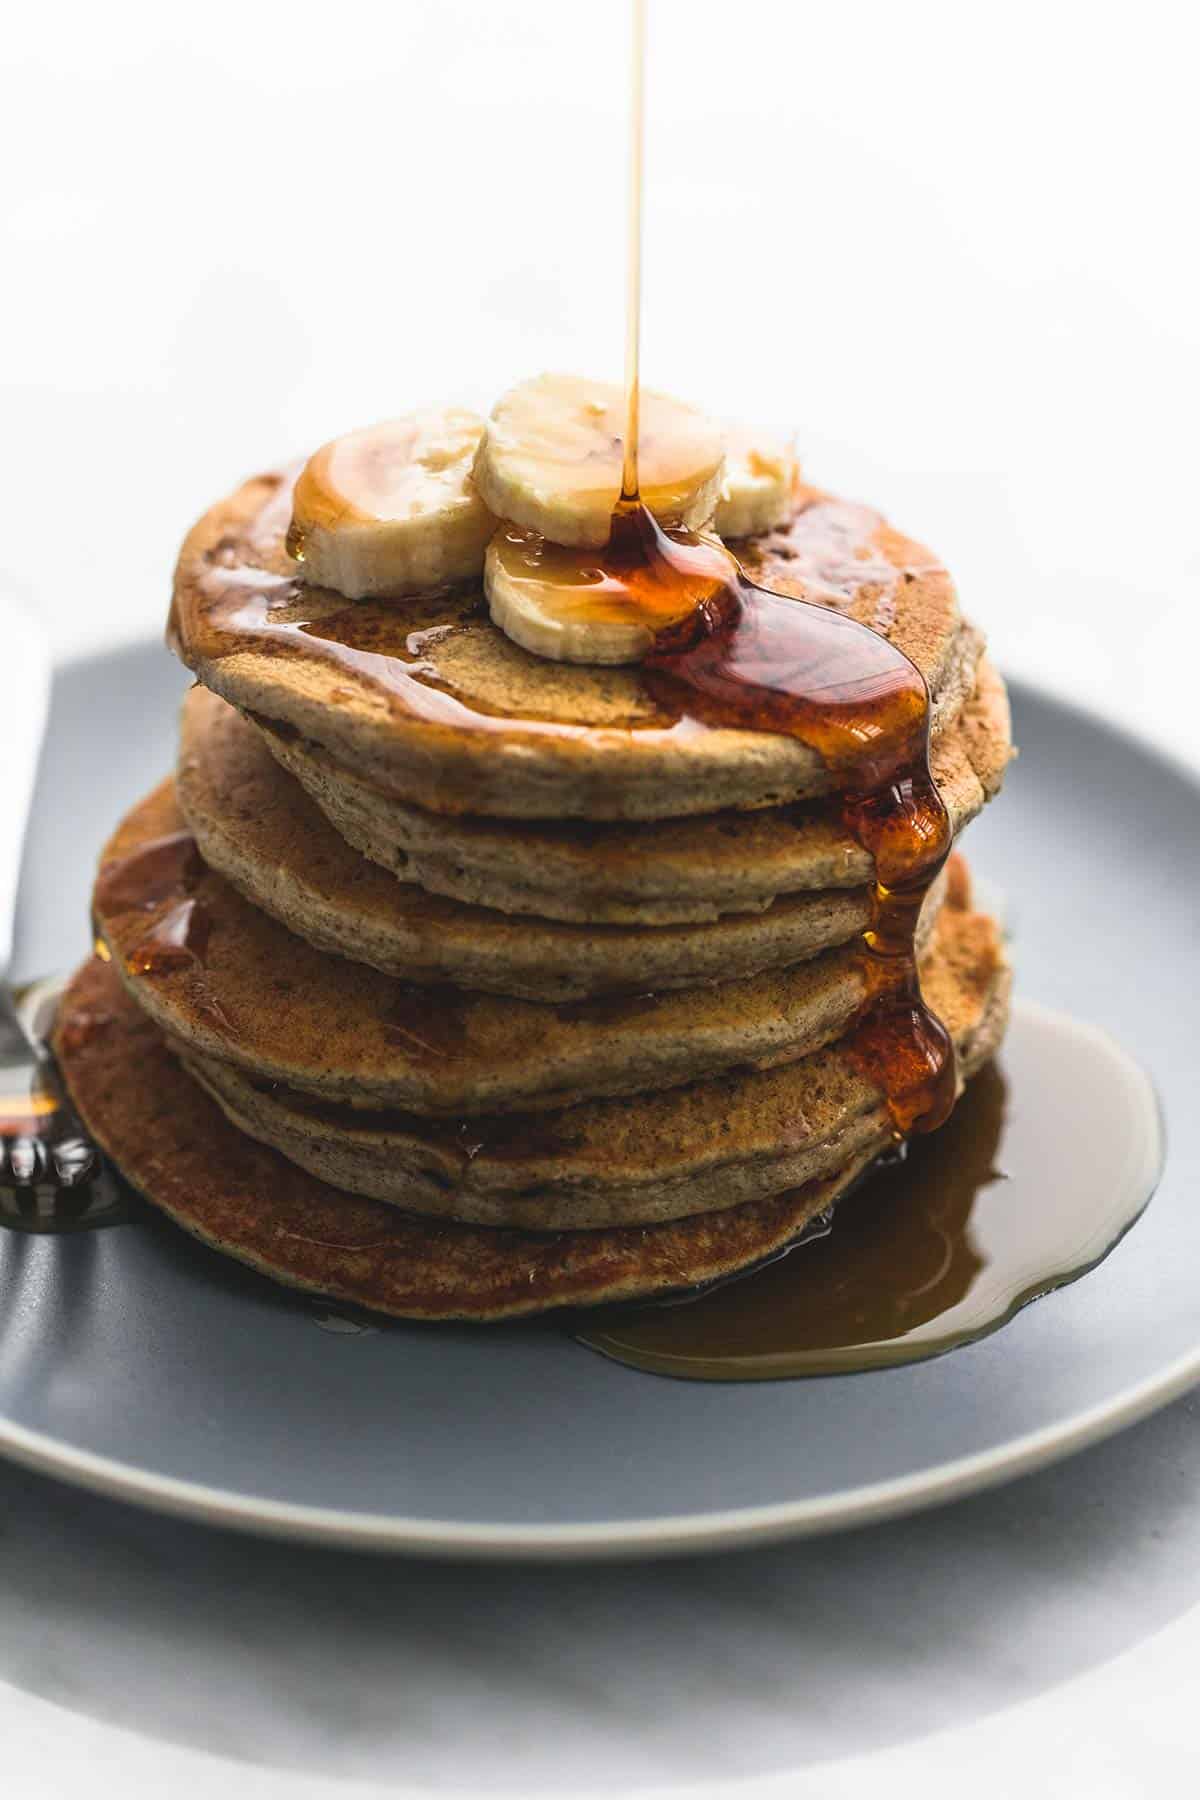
x=1047 y=1630
x=955 y=248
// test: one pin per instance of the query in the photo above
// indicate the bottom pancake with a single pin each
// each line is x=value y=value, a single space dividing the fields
x=175 y=1145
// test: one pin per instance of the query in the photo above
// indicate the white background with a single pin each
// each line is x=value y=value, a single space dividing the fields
x=953 y=245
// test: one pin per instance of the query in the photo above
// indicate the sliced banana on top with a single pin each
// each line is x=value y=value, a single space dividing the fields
x=760 y=473
x=577 y=606
x=556 y=606
x=551 y=452
x=392 y=510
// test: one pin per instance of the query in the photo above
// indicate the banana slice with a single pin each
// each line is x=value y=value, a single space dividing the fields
x=760 y=473
x=572 y=606
x=550 y=458
x=391 y=510
x=557 y=612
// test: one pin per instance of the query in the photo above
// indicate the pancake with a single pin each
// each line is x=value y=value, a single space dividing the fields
x=255 y=995
x=256 y=826
x=242 y=1198
x=675 y=871
x=642 y=1160
x=432 y=703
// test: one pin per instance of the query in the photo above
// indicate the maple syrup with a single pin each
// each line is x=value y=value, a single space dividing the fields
x=161 y=874
x=1050 y=1156
x=156 y=871
x=731 y=654
x=178 y=941
x=160 y=870
x=633 y=254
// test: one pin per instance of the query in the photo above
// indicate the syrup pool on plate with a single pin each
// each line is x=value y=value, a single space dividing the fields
x=1050 y=1156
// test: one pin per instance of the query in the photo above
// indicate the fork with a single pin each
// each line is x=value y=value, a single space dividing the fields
x=45 y=1153
x=44 y=1150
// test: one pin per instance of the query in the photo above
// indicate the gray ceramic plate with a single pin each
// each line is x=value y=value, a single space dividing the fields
x=133 y=1361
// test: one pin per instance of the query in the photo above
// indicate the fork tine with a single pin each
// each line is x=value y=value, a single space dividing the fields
x=26 y=1161
x=74 y=1161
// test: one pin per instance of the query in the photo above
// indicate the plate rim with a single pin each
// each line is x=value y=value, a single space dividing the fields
x=678 y=1535
x=674 y=1535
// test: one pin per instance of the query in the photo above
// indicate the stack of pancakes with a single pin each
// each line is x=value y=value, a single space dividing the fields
x=461 y=984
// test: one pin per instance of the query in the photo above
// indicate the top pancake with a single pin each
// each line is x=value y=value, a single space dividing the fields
x=432 y=703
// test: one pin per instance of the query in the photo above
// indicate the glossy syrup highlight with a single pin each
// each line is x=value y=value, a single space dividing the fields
x=733 y=655
x=1050 y=1156
x=159 y=879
